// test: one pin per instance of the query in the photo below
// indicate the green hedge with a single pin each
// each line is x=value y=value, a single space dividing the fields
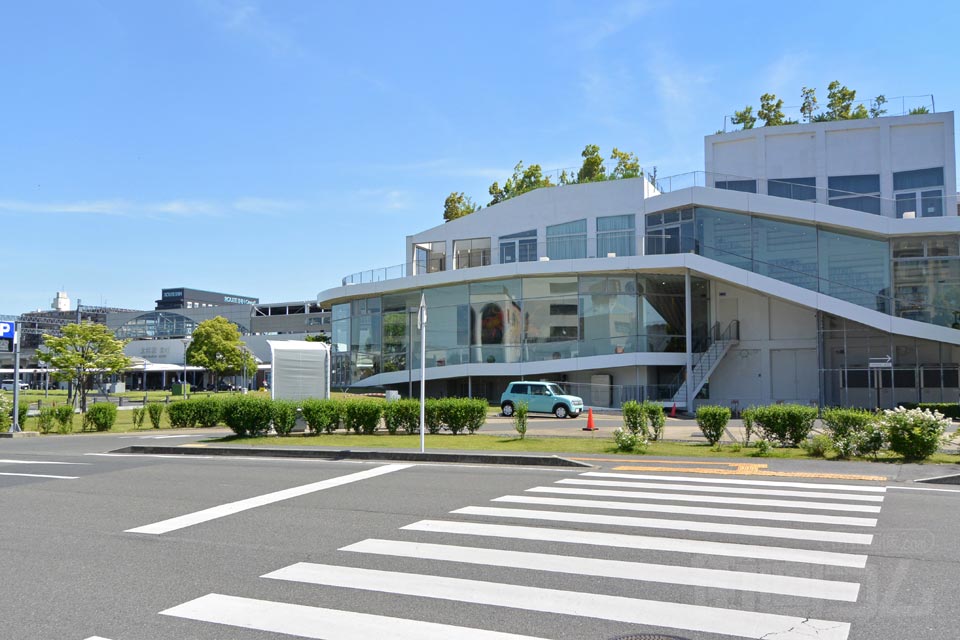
x=322 y=415
x=656 y=417
x=634 y=419
x=247 y=415
x=949 y=409
x=712 y=421
x=64 y=415
x=101 y=416
x=363 y=416
x=183 y=414
x=851 y=431
x=284 y=413
x=208 y=411
x=788 y=424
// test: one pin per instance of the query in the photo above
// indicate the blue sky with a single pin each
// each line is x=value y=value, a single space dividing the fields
x=270 y=148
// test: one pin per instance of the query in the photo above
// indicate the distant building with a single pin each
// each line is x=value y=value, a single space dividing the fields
x=184 y=298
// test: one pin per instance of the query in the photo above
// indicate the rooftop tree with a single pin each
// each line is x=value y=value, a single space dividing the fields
x=458 y=205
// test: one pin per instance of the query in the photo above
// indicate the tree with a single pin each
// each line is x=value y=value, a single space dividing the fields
x=592 y=169
x=809 y=103
x=771 y=111
x=522 y=181
x=918 y=110
x=217 y=347
x=81 y=351
x=318 y=337
x=458 y=205
x=744 y=117
x=628 y=166
x=840 y=101
x=876 y=109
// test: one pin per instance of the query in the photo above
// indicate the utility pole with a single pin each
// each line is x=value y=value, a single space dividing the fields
x=15 y=427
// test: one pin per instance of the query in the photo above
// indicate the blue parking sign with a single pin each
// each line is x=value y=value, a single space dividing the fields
x=7 y=329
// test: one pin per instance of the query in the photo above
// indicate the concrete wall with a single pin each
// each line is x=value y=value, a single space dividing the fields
x=849 y=147
x=776 y=359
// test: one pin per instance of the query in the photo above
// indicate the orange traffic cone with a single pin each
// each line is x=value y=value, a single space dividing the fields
x=673 y=412
x=590 y=426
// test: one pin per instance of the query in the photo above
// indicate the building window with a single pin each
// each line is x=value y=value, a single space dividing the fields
x=670 y=232
x=429 y=257
x=860 y=193
x=793 y=188
x=616 y=235
x=567 y=240
x=474 y=252
x=746 y=186
x=919 y=192
x=519 y=247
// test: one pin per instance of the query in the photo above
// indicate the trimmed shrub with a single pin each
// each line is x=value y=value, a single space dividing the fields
x=46 y=419
x=712 y=421
x=247 y=415
x=764 y=447
x=872 y=440
x=846 y=428
x=520 y=418
x=322 y=415
x=634 y=418
x=6 y=411
x=284 y=414
x=818 y=445
x=788 y=424
x=656 y=417
x=155 y=411
x=363 y=416
x=22 y=413
x=139 y=414
x=207 y=411
x=101 y=416
x=433 y=416
x=455 y=414
x=914 y=433
x=182 y=414
x=64 y=415
x=401 y=414
x=476 y=409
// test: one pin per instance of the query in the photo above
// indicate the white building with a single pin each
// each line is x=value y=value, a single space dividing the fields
x=815 y=263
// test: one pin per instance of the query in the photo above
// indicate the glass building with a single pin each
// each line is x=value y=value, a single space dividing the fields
x=815 y=283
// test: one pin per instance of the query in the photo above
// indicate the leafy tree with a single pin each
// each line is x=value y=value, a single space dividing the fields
x=628 y=166
x=592 y=169
x=744 y=117
x=809 y=103
x=217 y=347
x=771 y=111
x=81 y=351
x=876 y=109
x=918 y=110
x=524 y=179
x=458 y=205
x=318 y=337
x=840 y=101
x=565 y=178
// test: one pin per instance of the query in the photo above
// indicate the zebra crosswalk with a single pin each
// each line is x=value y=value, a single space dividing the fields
x=713 y=535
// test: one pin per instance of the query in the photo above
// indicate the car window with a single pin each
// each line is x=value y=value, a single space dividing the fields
x=519 y=388
x=555 y=390
x=539 y=390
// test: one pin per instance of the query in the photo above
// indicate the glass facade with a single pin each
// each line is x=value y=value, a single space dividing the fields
x=616 y=235
x=567 y=240
x=861 y=193
x=922 y=371
x=516 y=320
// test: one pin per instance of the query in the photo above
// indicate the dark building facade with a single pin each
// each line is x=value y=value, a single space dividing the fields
x=184 y=298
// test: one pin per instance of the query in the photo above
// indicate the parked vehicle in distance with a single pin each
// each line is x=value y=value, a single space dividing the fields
x=541 y=397
x=7 y=385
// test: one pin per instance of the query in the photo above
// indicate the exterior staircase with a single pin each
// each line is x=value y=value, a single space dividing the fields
x=705 y=363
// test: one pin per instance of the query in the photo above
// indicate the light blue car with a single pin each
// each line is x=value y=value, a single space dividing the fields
x=541 y=397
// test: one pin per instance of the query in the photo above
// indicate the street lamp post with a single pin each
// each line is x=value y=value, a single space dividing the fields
x=422 y=325
x=144 y=382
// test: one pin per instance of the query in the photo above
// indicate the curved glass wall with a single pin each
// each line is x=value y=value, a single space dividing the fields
x=157 y=324
x=516 y=320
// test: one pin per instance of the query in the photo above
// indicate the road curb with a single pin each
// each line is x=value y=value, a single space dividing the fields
x=349 y=454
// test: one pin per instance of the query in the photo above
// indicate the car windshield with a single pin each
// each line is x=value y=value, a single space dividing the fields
x=555 y=389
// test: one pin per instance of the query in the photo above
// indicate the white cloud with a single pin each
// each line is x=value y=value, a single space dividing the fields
x=245 y=18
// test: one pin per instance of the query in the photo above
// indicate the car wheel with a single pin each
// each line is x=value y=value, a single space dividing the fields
x=575 y=415
x=560 y=411
x=507 y=409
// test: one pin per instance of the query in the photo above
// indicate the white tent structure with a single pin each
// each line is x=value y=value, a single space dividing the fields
x=300 y=369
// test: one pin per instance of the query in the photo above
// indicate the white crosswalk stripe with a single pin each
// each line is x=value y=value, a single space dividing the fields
x=684 y=497
x=748 y=514
x=660 y=486
x=649 y=543
x=745 y=624
x=815 y=512
x=691 y=576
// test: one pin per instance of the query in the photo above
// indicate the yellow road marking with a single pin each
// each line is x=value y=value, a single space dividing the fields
x=193 y=444
x=755 y=470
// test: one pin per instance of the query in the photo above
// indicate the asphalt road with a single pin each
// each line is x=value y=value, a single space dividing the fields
x=100 y=546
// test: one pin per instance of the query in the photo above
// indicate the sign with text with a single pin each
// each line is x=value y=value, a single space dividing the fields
x=7 y=330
